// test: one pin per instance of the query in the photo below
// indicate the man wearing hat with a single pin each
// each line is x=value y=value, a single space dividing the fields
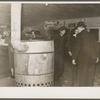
x=85 y=55
x=60 y=39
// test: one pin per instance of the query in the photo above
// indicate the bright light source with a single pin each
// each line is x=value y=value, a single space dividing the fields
x=46 y=4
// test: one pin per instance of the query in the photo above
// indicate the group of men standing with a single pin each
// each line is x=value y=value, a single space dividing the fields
x=83 y=49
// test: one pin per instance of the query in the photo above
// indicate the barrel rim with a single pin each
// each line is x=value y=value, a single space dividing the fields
x=37 y=40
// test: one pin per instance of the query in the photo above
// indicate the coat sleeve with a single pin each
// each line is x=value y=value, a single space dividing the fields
x=68 y=43
x=77 y=48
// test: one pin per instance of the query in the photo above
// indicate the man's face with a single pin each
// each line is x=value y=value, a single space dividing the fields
x=63 y=32
x=80 y=29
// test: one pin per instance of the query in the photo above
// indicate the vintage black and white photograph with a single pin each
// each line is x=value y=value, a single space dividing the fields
x=49 y=44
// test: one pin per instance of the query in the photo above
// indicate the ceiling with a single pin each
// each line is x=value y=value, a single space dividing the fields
x=33 y=14
x=37 y=13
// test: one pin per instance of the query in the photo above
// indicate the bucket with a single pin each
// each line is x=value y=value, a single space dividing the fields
x=35 y=67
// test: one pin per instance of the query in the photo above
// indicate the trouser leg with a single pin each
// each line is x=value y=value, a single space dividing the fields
x=59 y=66
x=91 y=70
x=82 y=74
x=86 y=73
x=74 y=73
x=56 y=66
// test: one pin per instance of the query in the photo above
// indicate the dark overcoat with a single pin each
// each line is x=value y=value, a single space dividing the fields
x=70 y=47
x=71 y=41
x=85 y=53
x=59 y=46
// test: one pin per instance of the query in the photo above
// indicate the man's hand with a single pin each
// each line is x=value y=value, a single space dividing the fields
x=73 y=62
x=69 y=53
x=97 y=60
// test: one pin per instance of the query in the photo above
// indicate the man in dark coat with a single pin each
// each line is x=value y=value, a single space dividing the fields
x=85 y=55
x=60 y=39
x=71 y=41
x=70 y=47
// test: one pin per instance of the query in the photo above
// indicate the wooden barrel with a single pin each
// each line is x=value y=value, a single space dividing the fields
x=35 y=67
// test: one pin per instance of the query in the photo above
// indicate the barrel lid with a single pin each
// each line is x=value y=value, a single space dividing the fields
x=39 y=46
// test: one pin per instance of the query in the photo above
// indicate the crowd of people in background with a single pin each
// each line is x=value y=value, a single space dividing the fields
x=33 y=34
